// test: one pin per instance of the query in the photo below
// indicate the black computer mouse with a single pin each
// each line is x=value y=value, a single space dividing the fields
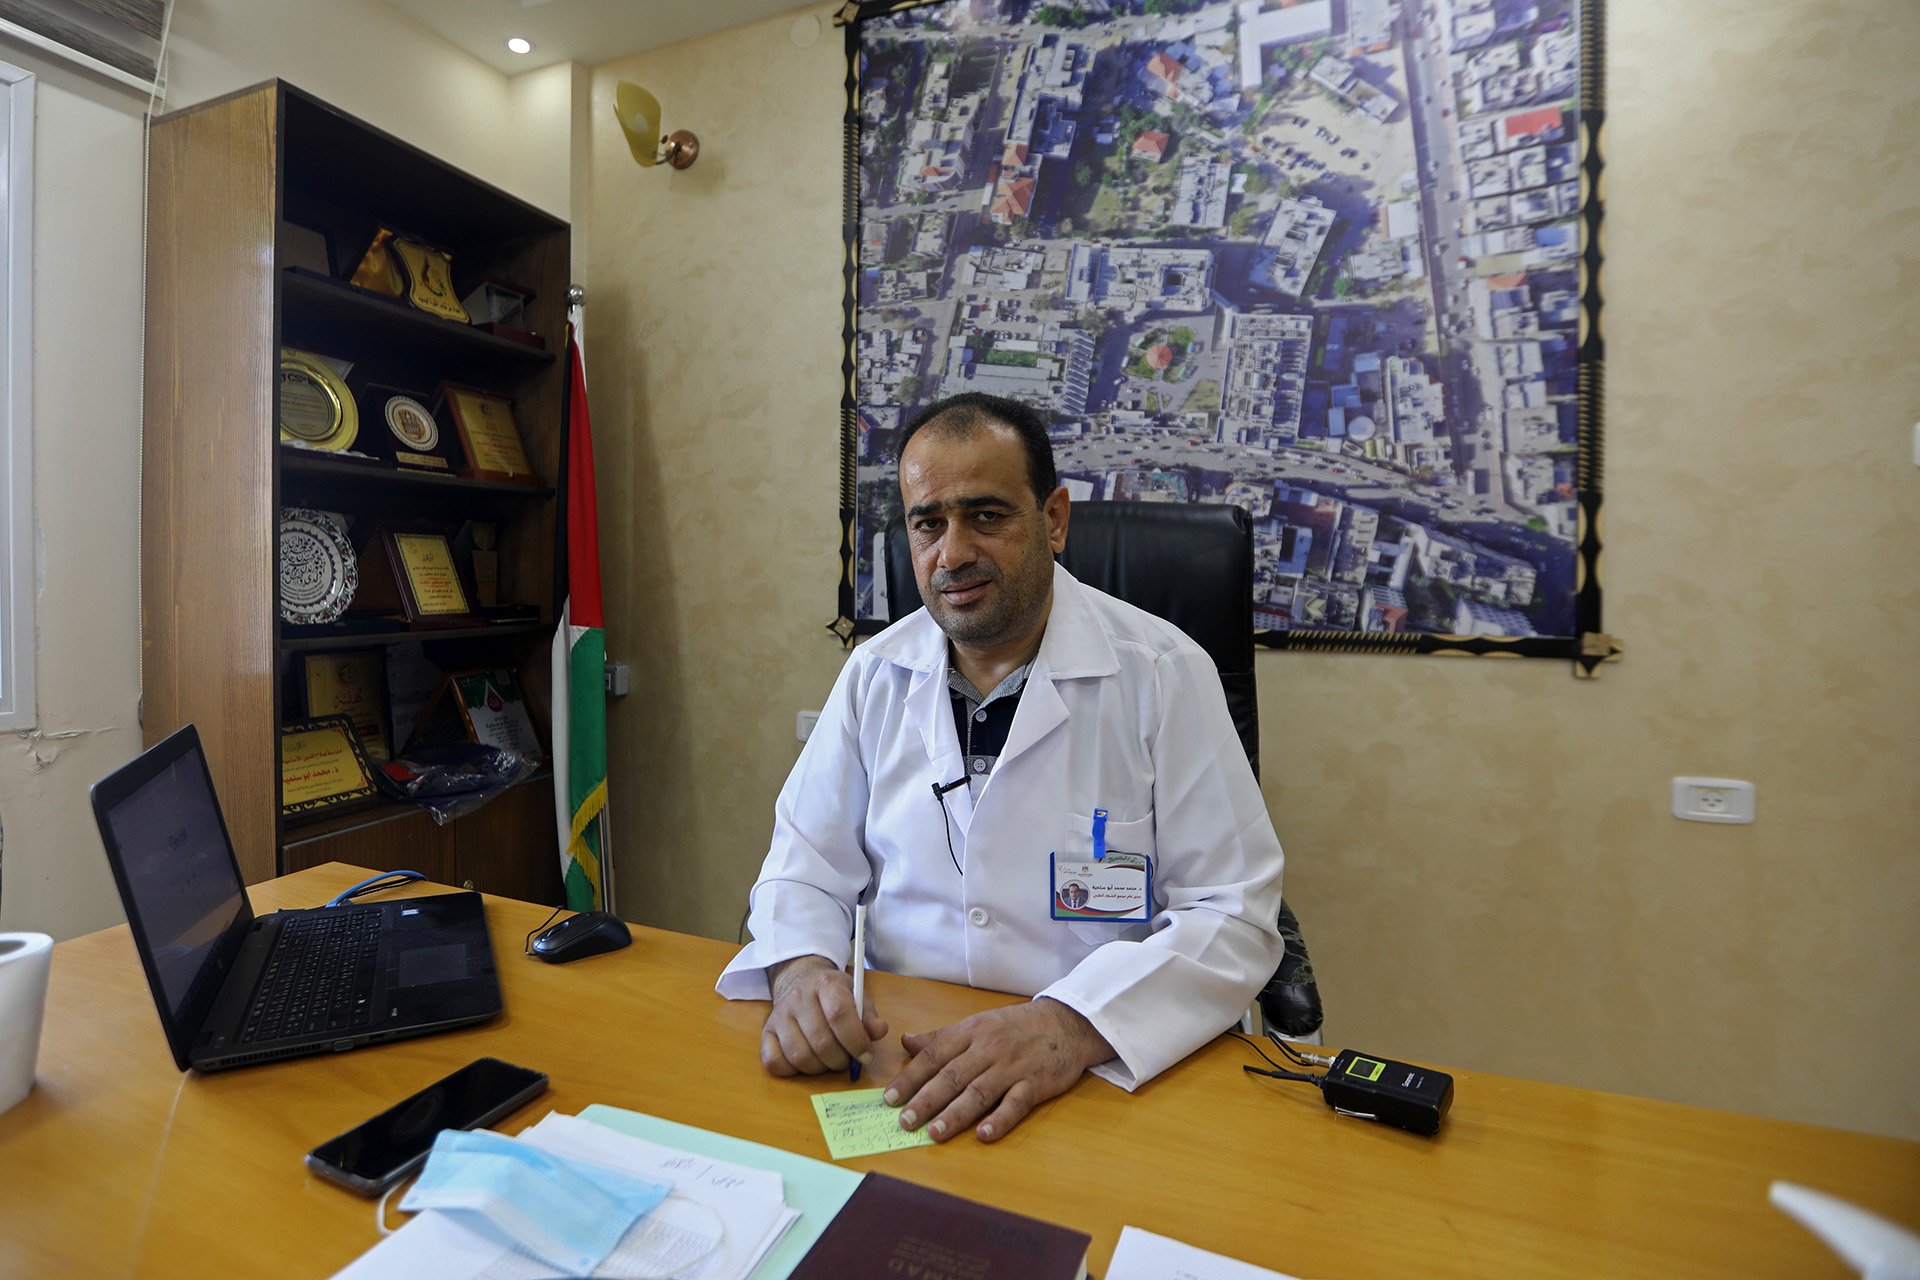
x=588 y=934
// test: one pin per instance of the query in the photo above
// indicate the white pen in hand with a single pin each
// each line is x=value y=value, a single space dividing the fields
x=859 y=978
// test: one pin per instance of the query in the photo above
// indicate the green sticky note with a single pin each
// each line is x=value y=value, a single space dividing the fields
x=858 y=1122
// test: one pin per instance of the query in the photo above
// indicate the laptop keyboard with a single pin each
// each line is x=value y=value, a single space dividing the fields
x=319 y=977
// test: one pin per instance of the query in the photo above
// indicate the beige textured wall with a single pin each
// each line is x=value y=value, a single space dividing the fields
x=713 y=358
x=1481 y=850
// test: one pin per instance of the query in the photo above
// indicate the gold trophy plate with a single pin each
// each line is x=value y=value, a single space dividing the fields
x=316 y=409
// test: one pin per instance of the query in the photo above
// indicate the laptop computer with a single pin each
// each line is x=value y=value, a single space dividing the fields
x=234 y=989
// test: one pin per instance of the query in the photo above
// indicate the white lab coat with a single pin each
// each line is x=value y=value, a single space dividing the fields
x=1121 y=711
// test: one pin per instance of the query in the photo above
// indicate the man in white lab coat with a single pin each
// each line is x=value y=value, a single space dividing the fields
x=1020 y=723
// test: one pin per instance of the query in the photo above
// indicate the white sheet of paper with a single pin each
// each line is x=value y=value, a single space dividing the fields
x=1142 y=1255
x=686 y=1171
x=720 y=1222
x=749 y=1204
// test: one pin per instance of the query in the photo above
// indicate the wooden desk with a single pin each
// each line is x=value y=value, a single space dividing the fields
x=118 y=1165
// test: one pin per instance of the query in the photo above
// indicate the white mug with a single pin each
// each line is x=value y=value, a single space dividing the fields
x=25 y=960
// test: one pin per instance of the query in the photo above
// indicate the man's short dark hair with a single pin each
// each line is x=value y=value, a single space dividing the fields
x=971 y=410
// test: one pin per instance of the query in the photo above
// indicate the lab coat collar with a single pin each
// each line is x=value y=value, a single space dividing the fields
x=1075 y=643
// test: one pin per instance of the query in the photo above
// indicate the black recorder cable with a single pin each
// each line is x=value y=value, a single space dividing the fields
x=1278 y=1072
x=946 y=823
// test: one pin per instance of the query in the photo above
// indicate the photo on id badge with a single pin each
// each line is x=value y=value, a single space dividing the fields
x=1111 y=885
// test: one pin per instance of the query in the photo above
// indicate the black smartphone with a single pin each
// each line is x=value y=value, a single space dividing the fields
x=371 y=1157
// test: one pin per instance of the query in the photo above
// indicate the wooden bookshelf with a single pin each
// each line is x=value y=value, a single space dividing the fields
x=222 y=300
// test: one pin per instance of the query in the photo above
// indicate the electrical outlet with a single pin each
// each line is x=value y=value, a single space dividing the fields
x=803 y=722
x=1713 y=800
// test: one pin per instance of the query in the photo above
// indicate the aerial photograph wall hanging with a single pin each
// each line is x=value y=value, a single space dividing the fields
x=1334 y=261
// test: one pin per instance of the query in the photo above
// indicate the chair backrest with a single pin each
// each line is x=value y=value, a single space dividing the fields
x=1188 y=562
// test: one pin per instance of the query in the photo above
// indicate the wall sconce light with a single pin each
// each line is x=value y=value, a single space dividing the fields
x=639 y=115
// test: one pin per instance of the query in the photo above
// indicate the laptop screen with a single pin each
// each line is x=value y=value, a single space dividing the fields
x=181 y=886
x=179 y=870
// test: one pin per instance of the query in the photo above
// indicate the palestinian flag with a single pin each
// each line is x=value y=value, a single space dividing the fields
x=579 y=662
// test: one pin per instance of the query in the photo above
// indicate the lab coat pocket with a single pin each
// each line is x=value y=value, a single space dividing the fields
x=1122 y=837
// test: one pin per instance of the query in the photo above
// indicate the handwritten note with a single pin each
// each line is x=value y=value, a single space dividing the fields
x=858 y=1122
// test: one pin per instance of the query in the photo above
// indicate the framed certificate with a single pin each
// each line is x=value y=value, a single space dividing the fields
x=408 y=572
x=322 y=766
x=488 y=433
x=428 y=579
x=351 y=684
x=495 y=712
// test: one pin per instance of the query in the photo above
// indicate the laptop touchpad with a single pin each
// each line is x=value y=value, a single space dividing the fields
x=423 y=966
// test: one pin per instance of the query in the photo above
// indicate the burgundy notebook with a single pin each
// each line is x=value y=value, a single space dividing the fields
x=894 y=1230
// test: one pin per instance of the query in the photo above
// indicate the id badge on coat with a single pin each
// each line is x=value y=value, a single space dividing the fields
x=1117 y=887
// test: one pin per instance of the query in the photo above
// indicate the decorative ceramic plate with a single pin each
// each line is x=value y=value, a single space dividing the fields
x=316 y=408
x=318 y=574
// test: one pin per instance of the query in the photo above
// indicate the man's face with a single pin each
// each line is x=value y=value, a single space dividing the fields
x=982 y=546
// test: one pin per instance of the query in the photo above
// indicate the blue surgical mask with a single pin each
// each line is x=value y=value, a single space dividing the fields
x=568 y=1213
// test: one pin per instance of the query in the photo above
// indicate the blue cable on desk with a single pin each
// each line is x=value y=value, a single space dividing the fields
x=373 y=884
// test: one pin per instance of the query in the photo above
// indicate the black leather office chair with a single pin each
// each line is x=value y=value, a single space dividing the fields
x=1192 y=564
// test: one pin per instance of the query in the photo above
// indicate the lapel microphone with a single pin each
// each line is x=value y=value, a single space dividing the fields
x=946 y=826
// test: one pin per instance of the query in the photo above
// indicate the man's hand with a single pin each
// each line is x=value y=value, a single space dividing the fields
x=812 y=1027
x=1005 y=1061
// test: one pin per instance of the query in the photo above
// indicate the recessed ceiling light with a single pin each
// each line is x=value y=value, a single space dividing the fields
x=519 y=44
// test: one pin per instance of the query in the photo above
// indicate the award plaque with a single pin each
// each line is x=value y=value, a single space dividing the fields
x=490 y=702
x=408 y=268
x=429 y=276
x=500 y=308
x=403 y=429
x=350 y=684
x=318 y=574
x=379 y=271
x=482 y=706
x=412 y=566
x=489 y=435
x=430 y=581
x=496 y=301
x=322 y=765
x=314 y=407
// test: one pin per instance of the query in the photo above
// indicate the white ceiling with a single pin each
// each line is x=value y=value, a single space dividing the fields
x=587 y=31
